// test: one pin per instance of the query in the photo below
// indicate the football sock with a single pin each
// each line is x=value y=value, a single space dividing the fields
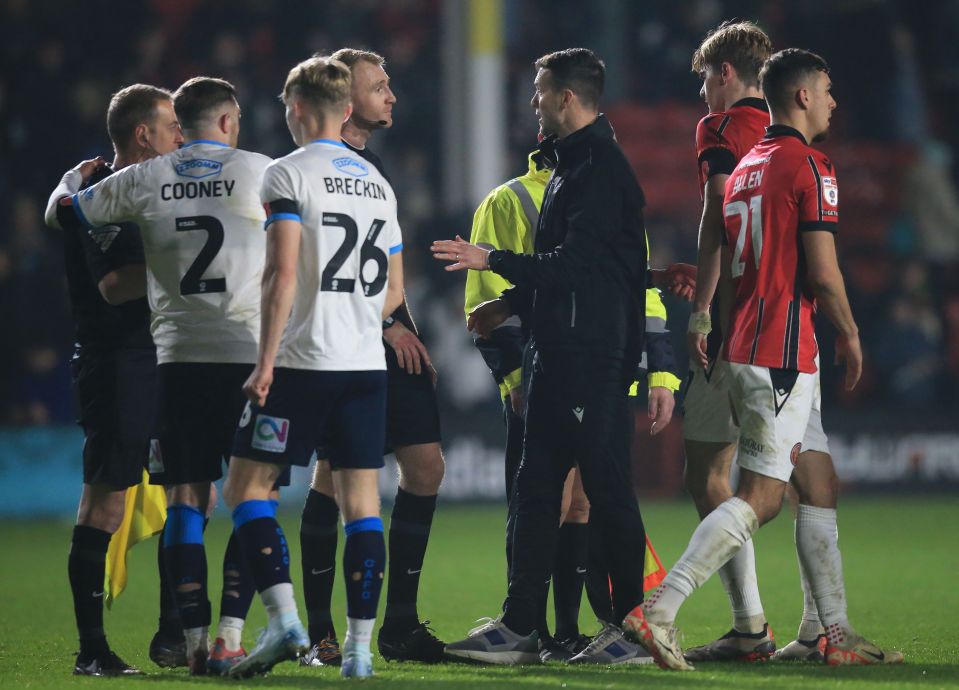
x=410 y=525
x=597 y=576
x=186 y=565
x=169 y=625
x=318 y=534
x=716 y=539
x=569 y=571
x=809 y=627
x=817 y=540
x=738 y=575
x=264 y=544
x=237 y=595
x=358 y=633
x=364 y=560
x=86 y=566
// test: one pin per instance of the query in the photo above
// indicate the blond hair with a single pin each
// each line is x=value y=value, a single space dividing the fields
x=321 y=82
x=740 y=43
x=350 y=56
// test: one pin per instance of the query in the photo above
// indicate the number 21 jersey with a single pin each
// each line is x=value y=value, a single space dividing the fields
x=347 y=212
x=780 y=189
x=201 y=221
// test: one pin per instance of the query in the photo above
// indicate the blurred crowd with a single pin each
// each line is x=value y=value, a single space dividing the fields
x=895 y=66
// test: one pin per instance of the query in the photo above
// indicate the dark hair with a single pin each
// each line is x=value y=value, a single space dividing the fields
x=130 y=107
x=740 y=43
x=196 y=97
x=576 y=69
x=783 y=73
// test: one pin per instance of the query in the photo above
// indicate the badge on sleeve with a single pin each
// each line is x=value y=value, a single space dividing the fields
x=830 y=191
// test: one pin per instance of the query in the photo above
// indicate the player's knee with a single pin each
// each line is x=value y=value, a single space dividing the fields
x=423 y=473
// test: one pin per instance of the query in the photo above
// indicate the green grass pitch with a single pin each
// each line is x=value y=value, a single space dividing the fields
x=902 y=575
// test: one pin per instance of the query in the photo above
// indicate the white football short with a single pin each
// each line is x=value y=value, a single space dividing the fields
x=707 y=414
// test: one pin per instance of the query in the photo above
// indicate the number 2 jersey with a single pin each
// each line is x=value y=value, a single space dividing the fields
x=347 y=211
x=782 y=188
x=200 y=217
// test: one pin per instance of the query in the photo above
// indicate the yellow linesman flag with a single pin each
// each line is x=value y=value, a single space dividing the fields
x=144 y=516
x=653 y=570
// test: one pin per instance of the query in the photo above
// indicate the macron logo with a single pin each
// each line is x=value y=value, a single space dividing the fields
x=578 y=412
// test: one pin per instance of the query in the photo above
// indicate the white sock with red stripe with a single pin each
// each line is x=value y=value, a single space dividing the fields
x=817 y=541
x=719 y=536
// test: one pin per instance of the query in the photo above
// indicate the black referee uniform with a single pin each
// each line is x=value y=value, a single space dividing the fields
x=583 y=294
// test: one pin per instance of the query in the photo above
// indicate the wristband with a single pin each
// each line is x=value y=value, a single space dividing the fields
x=699 y=322
x=388 y=321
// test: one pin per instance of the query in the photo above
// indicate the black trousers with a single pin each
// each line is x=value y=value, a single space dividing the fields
x=577 y=414
x=515 y=427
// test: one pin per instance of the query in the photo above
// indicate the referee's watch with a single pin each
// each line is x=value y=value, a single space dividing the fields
x=388 y=321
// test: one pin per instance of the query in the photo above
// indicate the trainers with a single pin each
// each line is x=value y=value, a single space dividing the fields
x=274 y=645
x=418 y=644
x=803 y=650
x=854 y=649
x=221 y=659
x=357 y=663
x=658 y=640
x=494 y=643
x=561 y=648
x=105 y=664
x=325 y=653
x=168 y=652
x=736 y=646
x=610 y=646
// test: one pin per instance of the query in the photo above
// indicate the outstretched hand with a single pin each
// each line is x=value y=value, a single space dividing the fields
x=679 y=279
x=462 y=253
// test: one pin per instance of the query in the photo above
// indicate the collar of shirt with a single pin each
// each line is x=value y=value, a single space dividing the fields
x=773 y=131
x=569 y=145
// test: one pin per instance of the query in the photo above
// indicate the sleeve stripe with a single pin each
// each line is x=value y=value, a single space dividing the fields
x=815 y=172
x=80 y=215
x=813 y=225
x=282 y=216
x=722 y=125
x=396 y=248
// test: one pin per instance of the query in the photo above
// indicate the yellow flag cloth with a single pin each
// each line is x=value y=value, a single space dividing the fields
x=144 y=516
x=653 y=570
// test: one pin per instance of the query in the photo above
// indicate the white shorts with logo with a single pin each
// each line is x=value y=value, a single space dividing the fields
x=708 y=415
x=774 y=408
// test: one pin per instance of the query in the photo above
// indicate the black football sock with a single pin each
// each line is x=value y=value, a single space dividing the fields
x=169 y=625
x=569 y=570
x=319 y=529
x=597 y=577
x=186 y=564
x=238 y=586
x=264 y=544
x=410 y=525
x=364 y=560
x=86 y=566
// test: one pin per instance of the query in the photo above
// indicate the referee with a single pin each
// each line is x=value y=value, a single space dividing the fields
x=583 y=293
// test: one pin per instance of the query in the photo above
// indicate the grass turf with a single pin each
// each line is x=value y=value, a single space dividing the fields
x=900 y=576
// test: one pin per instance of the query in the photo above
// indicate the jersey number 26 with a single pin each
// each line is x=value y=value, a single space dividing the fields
x=368 y=252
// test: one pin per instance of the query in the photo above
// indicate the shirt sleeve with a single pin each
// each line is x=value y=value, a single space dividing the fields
x=111 y=247
x=278 y=195
x=817 y=193
x=714 y=150
x=396 y=234
x=112 y=200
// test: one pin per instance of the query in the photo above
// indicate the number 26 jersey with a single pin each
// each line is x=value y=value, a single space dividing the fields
x=200 y=217
x=782 y=188
x=349 y=229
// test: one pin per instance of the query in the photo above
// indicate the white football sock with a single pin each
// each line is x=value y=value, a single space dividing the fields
x=817 y=541
x=809 y=627
x=196 y=639
x=359 y=631
x=230 y=630
x=739 y=579
x=720 y=535
x=280 y=604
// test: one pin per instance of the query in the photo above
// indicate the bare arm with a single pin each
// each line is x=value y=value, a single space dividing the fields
x=124 y=284
x=395 y=295
x=711 y=228
x=825 y=281
x=279 y=288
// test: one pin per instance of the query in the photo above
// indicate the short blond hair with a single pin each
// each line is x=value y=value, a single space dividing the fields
x=350 y=56
x=321 y=82
x=740 y=43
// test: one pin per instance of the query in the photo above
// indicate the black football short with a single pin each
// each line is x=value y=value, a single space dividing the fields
x=115 y=396
x=412 y=410
x=344 y=411
x=199 y=407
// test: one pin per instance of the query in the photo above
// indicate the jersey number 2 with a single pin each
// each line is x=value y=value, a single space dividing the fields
x=368 y=252
x=755 y=209
x=193 y=282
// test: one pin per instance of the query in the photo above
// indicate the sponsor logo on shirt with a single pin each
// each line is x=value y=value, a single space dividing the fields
x=351 y=166
x=830 y=191
x=104 y=236
x=270 y=433
x=198 y=168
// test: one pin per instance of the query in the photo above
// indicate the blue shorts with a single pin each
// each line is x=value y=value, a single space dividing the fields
x=343 y=410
